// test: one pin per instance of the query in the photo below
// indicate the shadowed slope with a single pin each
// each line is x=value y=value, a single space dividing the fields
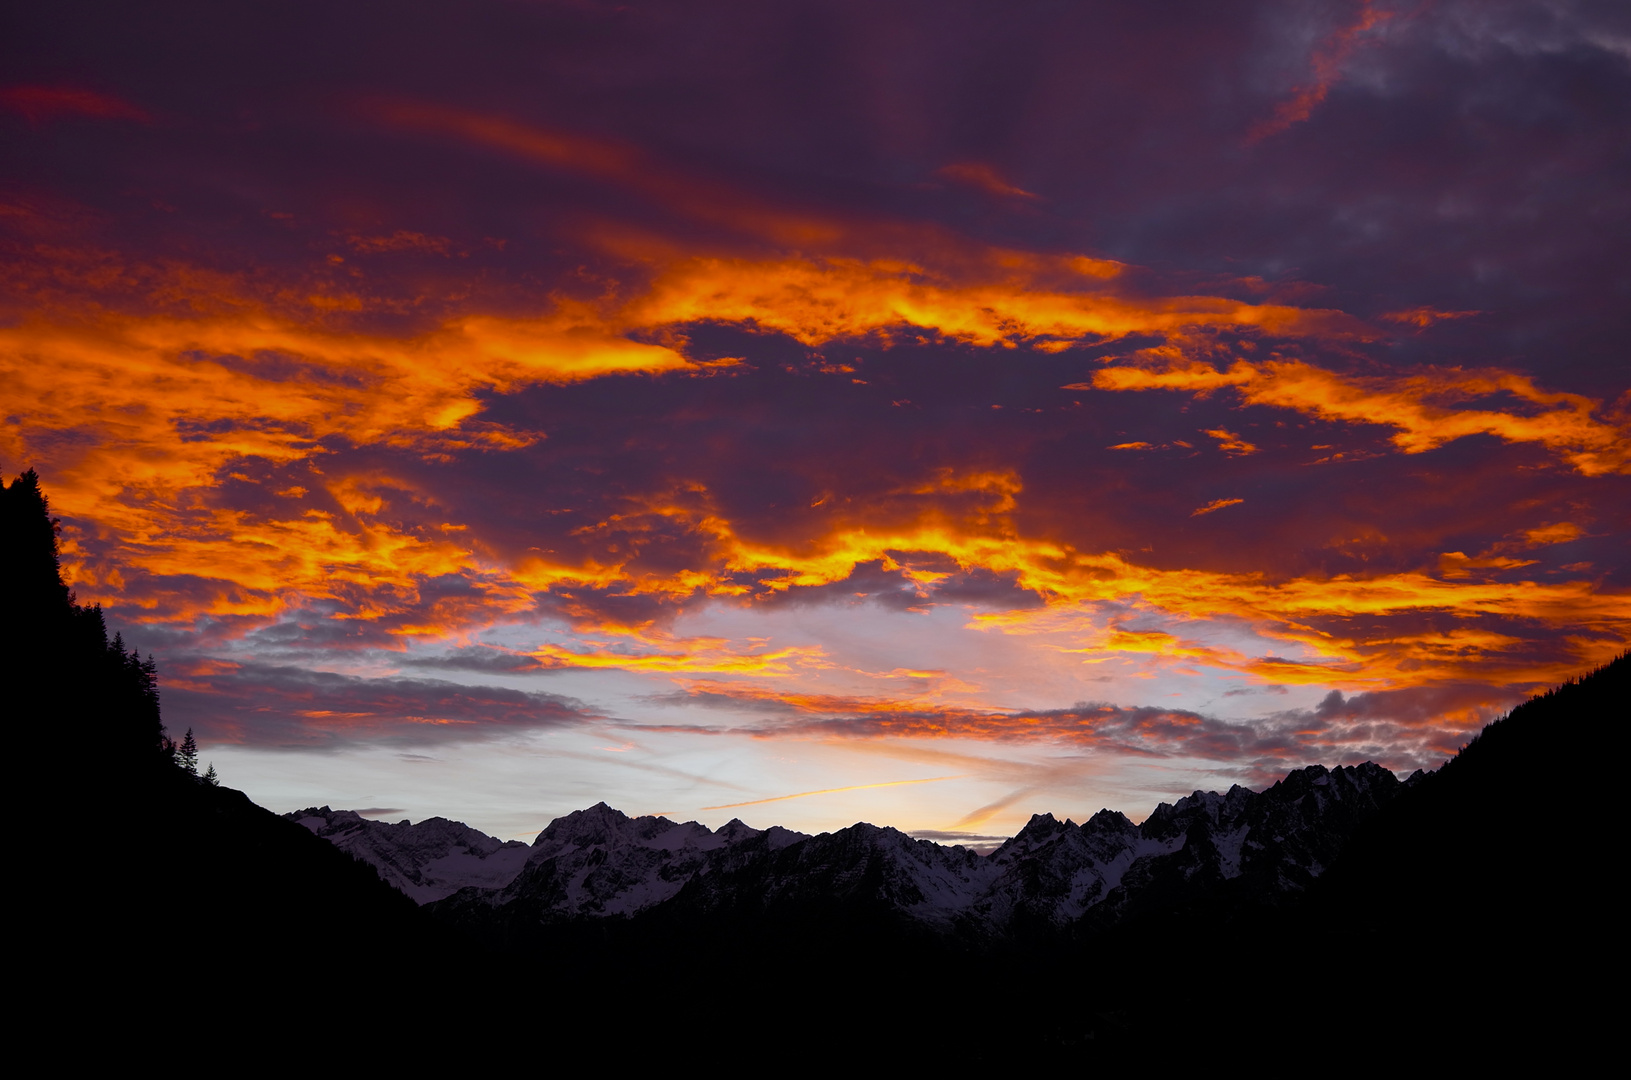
x=98 y=703
x=1506 y=850
x=175 y=869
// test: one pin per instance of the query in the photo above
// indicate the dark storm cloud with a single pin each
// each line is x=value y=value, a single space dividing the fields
x=475 y=658
x=295 y=708
x=1452 y=138
x=1404 y=730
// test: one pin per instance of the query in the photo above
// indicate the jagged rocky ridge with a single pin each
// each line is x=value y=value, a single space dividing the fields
x=429 y=860
x=597 y=863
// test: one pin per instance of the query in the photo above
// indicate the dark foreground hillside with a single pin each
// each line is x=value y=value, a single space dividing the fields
x=1477 y=913
x=1471 y=914
x=1474 y=913
x=141 y=884
x=1503 y=875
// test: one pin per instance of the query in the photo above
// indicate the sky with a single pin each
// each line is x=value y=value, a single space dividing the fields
x=923 y=413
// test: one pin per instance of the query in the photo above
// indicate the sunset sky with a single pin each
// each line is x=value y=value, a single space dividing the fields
x=923 y=413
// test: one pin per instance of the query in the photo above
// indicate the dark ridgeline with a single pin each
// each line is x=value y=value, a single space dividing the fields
x=1457 y=913
x=1054 y=881
x=1497 y=878
x=102 y=702
x=157 y=890
x=1463 y=912
x=1476 y=913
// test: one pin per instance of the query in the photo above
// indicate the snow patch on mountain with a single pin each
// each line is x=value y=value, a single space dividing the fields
x=428 y=861
x=601 y=863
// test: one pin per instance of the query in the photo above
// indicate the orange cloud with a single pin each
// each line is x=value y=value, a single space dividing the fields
x=1007 y=299
x=1333 y=620
x=158 y=405
x=714 y=656
x=1560 y=533
x=1458 y=564
x=1408 y=727
x=1327 y=62
x=1215 y=504
x=1418 y=405
x=1230 y=443
x=254 y=384
x=169 y=402
x=1309 y=613
x=1423 y=317
x=619 y=163
x=829 y=290
x=39 y=103
x=154 y=400
x=400 y=240
x=978 y=175
x=1321 y=616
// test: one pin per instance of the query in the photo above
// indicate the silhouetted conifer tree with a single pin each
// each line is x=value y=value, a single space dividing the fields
x=187 y=756
x=210 y=778
x=32 y=585
x=100 y=702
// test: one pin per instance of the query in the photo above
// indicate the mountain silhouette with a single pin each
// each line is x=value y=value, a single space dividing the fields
x=1464 y=913
x=157 y=877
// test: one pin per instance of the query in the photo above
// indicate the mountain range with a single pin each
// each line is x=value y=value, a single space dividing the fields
x=1340 y=918
x=599 y=863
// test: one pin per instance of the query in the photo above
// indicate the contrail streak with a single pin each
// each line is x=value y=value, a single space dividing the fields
x=828 y=791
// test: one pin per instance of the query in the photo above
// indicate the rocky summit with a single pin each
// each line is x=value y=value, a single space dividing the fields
x=429 y=860
x=597 y=863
